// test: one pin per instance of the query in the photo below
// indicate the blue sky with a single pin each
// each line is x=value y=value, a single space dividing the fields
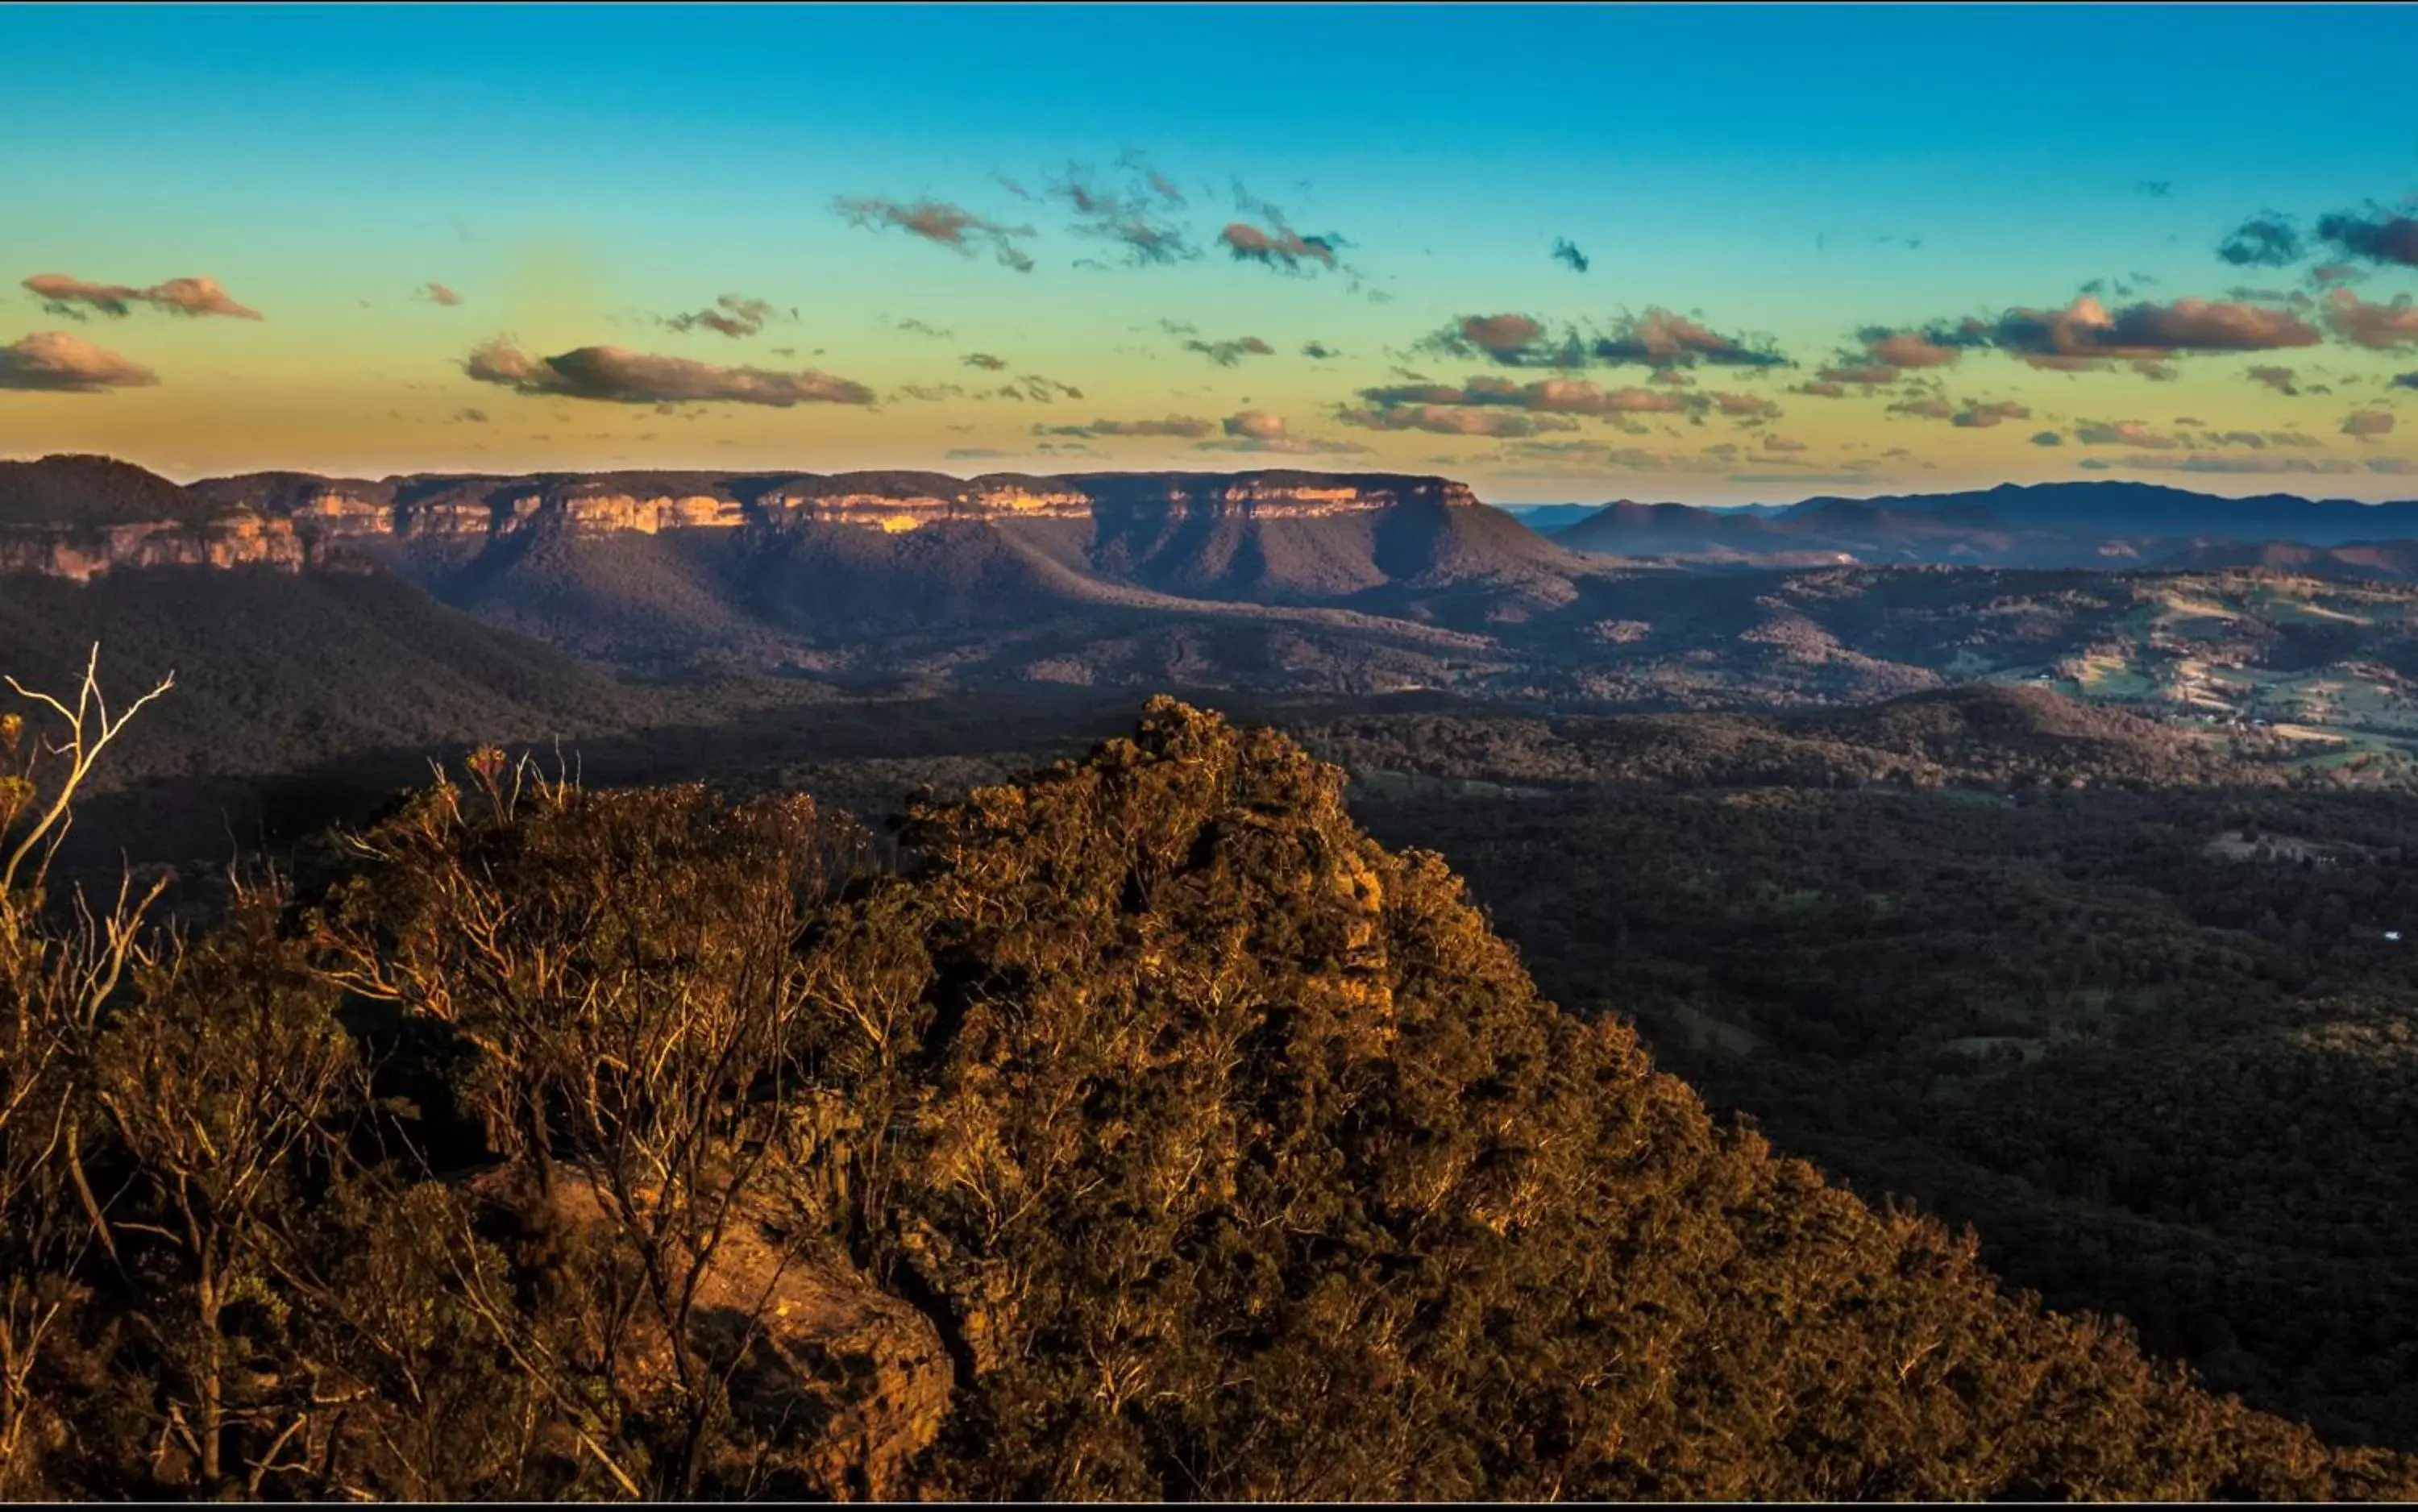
x=1791 y=175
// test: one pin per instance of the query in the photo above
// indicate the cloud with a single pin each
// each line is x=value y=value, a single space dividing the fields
x=1864 y=375
x=470 y=415
x=929 y=391
x=2403 y=467
x=1932 y=408
x=1274 y=245
x=2265 y=240
x=1317 y=351
x=62 y=294
x=2088 y=332
x=1033 y=387
x=976 y=453
x=1780 y=443
x=56 y=362
x=922 y=328
x=1258 y=430
x=2280 y=379
x=2406 y=380
x=1823 y=389
x=1130 y=219
x=2367 y=425
x=1558 y=396
x=942 y=223
x=2205 y=463
x=2047 y=438
x=2378 y=237
x=618 y=376
x=1226 y=352
x=440 y=294
x=1186 y=427
x=1452 y=420
x=1976 y=415
x=733 y=314
x=1568 y=255
x=2378 y=326
x=1748 y=406
x=1659 y=339
x=1906 y=348
x=986 y=362
x=2123 y=433
x=2156 y=188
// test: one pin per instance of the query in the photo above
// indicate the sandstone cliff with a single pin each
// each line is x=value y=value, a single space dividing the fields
x=52 y=520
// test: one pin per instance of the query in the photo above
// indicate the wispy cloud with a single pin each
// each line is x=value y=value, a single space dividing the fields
x=1453 y=421
x=1566 y=253
x=439 y=295
x=942 y=223
x=1226 y=354
x=2367 y=425
x=64 y=295
x=1183 y=427
x=733 y=314
x=2278 y=378
x=1659 y=338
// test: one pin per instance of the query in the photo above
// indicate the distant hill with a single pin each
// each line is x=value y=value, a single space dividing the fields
x=2119 y=525
x=88 y=492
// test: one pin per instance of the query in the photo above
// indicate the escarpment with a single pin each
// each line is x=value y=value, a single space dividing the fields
x=78 y=517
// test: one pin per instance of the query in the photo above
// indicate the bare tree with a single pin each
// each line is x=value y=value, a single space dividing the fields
x=57 y=973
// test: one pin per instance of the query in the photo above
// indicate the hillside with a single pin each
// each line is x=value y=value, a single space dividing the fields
x=92 y=493
x=1157 y=1136
x=275 y=671
x=1977 y=735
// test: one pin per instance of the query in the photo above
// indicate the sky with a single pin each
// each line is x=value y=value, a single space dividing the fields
x=1705 y=254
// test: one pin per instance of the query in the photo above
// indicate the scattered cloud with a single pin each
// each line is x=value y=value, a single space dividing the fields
x=942 y=223
x=1928 y=407
x=1442 y=419
x=734 y=315
x=64 y=295
x=2156 y=188
x=2265 y=240
x=976 y=453
x=922 y=328
x=2210 y=463
x=2123 y=433
x=470 y=415
x=1319 y=351
x=1185 y=427
x=2367 y=425
x=2406 y=380
x=2377 y=324
x=1036 y=388
x=1259 y=429
x=986 y=362
x=1908 y=348
x=1228 y=353
x=58 y=361
x=1657 y=338
x=1280 y=247
x=2086 y=334
x=440 y=294
x=1976 y=415
x=1558 y=396
x=1821 y=389
x=618 y=376
x=2278 y=378
x=2047 y=438
x=1132 y=218
x=1567 y=254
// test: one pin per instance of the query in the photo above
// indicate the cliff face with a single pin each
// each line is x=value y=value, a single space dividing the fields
x=295 y=520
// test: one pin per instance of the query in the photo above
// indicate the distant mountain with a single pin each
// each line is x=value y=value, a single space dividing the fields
x=2039 y=524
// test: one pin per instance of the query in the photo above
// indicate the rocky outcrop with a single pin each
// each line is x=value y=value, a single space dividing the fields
x=296 y=520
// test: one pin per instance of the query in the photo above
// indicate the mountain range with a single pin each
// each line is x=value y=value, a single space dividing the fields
x=2112 y=524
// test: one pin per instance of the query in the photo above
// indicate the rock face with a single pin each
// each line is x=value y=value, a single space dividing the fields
x=298 y=520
